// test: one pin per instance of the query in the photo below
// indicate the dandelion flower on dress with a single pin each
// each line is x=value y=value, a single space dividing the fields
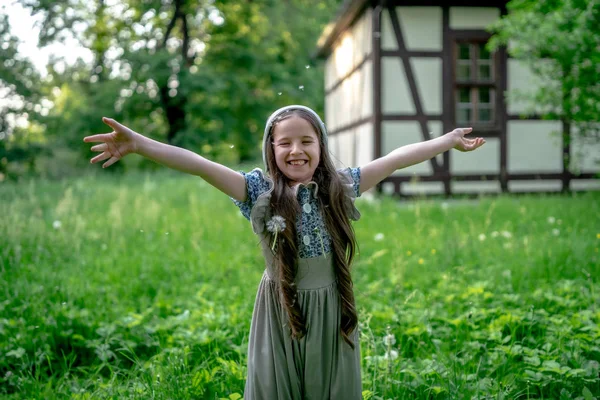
x=275 y=225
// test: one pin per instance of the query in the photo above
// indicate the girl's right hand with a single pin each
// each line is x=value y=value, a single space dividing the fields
x=115 y=145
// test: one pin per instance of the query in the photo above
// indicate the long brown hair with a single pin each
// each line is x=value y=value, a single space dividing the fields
x=337 y=223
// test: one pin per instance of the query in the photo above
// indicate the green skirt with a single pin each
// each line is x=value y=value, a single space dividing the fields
x=321 y=365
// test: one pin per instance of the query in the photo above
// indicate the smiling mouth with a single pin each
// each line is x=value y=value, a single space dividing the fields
x=297 y=162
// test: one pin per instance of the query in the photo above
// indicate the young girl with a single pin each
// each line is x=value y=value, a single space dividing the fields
x=303 y=339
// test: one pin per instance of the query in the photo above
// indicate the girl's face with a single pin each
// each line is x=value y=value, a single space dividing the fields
x=297 y=150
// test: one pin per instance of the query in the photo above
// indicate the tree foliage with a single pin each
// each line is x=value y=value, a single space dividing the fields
x=199 y=74
x=559 y=40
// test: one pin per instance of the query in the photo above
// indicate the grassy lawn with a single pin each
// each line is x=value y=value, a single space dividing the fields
x=143 y=287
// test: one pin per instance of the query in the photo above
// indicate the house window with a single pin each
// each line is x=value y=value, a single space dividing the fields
x=475 y=84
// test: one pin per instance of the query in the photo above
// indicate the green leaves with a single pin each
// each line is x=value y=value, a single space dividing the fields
x=560 y=42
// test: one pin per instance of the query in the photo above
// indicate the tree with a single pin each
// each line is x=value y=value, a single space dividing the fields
x=559 y=40
x=19 y=97
x=200 y=74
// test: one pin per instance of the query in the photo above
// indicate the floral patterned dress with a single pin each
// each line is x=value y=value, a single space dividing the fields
x=321 y=365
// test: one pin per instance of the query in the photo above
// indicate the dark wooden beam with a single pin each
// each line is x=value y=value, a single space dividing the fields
x=411 y=81
x=447 y=90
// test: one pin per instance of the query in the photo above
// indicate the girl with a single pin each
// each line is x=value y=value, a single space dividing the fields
x=303 y=339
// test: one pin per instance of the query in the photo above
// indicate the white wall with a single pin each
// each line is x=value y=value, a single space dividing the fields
x=473 y=17
x=421 y=28
x=533 y=147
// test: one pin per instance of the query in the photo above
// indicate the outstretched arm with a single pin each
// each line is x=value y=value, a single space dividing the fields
x=405 y=156
x=123 y=141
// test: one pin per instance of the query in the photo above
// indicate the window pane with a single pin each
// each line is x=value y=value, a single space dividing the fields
x=483 y=53
x=464 y=51
x=464 y=95
x=464 y=69
x=485 y=114
x=485 y=70
x=485 y=94
x=463 y=114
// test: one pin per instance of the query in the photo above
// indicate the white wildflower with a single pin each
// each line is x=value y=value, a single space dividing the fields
x=555 y=232
x=56 y=224
x=275 y=225
x=379 y=237
x=444 y=205
x=506 y=234
x=481 y=237
x=495 y=234
x=389 y=340
x=390 y=355
x=551 y=220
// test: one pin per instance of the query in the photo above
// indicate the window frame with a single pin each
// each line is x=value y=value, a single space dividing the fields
x=474 y=83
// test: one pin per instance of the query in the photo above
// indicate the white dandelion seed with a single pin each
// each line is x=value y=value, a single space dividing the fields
x=481 y=237
x=390 y=355
x=275 y=225
x=56 y=224
x=389 y=340
x=379 y=237
x=301 y=87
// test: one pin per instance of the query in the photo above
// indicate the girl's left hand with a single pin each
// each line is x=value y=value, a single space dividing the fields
x=461 y=143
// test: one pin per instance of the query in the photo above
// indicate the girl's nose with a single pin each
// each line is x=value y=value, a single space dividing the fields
x=296 y=148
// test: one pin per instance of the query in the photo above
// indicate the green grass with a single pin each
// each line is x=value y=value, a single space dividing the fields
x=146 y=291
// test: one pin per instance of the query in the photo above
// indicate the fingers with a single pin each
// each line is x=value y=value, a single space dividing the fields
x=475 y=143
x=100 y=147
x=100 y=157
x=112 y=123
x=466 y=130
x=110 y=162
x=103 y=137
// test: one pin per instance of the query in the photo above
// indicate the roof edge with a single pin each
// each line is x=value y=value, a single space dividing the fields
x=346 y=15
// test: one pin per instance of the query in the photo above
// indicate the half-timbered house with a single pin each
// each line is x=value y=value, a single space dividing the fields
x=412 y=70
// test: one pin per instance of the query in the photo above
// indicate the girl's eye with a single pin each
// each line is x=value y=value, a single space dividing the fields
x=284 y=144
x=307 y=142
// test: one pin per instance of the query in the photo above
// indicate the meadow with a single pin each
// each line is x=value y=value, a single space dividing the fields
x=143 y=286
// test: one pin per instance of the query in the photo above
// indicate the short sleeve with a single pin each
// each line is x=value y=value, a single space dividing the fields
x=351 y=185
x=256 y=184
x=355 y=174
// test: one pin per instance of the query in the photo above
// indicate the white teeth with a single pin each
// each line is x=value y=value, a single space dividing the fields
x=298 y=162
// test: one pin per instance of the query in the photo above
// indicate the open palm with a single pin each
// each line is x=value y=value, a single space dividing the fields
x=461 y=143
x=115 y=145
